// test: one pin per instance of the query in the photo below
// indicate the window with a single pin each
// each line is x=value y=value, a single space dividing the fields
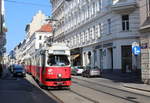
x=83 y=37
x=86 y=36
x=40 y=37
x=97 y=31
x=109 y=26
x=125 y=22
x=58 y=60
x=90 y=33
x=99 y=26
x=79 y=39
x=93 y=32
x=94 y=8
x=75 y=40
x=88 y=11
x=40 y=45
x=100 y=5
x=148 y=7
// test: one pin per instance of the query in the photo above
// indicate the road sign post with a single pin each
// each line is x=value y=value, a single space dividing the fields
x=136 y=50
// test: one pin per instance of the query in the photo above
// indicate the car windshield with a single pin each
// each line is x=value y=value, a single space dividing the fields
x=58 y=60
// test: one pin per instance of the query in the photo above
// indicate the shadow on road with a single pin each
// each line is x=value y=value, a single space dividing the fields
x=118 y=76
x=19 y=90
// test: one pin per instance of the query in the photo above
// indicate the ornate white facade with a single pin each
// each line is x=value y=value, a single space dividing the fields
x=37 y=33
x=3 y=30
x=103 y=29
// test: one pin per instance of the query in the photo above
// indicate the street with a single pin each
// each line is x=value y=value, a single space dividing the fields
x=20 y=90
x=83 y=90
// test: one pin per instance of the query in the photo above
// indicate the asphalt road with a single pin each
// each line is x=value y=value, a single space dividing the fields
x=19 y=90
x=107 y=94
x=83 y=90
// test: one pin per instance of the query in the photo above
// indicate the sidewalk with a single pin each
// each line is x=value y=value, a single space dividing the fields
x=128 y=80
x=5 y=73
x=142 y=87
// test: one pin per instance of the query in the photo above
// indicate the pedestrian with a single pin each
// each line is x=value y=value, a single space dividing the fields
x=1 y=70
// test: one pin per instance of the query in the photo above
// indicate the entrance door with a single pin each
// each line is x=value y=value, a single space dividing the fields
x=110 y=58
x=126 y=58
x=101 y=58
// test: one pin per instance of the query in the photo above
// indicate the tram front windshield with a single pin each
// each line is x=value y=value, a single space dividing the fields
x=58 y=60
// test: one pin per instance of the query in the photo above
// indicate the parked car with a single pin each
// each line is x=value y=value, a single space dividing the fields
x=10 y=68
x=92 y=72
x=77 y=70
x=18 y=70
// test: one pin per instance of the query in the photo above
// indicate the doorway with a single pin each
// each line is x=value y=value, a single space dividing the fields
x=101 y=58
x=126 y=55
x=110 y=58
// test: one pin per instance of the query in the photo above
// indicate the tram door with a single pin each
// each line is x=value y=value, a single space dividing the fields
x=43 y=62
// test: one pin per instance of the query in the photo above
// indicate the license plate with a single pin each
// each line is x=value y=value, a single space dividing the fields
x=19 y=74
x=59 y=83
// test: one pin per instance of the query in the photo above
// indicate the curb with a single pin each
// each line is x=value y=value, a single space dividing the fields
x=136 y=88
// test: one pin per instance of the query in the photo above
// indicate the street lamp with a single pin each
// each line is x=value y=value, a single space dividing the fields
x=51 y=38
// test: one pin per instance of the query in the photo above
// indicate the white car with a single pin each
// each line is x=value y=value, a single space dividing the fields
x=77 y=70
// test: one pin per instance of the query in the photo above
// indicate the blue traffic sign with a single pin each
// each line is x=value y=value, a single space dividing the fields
x=136 y=50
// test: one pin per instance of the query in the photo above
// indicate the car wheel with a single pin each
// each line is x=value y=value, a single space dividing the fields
x=75 y=74
x=88 y=75
x=82 y=75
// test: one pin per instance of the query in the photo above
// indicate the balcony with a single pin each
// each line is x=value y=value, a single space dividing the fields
x=123 y=6
x=145 y=27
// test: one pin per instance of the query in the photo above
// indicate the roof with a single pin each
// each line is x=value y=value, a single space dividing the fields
x=45 y=28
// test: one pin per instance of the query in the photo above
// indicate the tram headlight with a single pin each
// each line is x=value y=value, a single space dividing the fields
x=59 y=75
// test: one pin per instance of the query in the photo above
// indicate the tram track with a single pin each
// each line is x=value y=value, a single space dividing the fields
x=103 y=85
x=75 y=93
x=92 y=100
x=109 y=93
x=60 y=97
x=51 y=92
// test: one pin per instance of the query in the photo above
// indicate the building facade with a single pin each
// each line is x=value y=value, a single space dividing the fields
x=2 y=30
x=145 y=39
x=37 y=33
x=100 y=31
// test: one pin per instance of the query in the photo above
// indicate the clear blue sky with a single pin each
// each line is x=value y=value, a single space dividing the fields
x=20 y=13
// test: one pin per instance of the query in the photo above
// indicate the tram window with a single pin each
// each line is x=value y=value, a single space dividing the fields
x=57 y=60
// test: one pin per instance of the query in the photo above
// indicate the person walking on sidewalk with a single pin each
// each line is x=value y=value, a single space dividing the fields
x=1 y=70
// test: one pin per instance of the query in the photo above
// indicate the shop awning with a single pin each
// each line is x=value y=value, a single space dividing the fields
x=74 y=56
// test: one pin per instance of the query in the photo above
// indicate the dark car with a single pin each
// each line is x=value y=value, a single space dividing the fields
x=92 y=72
x=18 y=70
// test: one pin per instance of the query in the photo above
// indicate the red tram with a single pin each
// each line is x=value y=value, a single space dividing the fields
x=50 y=66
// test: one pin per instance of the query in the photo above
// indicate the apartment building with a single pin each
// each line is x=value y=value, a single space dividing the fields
x=145 y=39
x=3 y=30
x=37 y=33
x=99 y=32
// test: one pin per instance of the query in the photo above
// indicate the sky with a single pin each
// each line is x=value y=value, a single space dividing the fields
x=19 y=13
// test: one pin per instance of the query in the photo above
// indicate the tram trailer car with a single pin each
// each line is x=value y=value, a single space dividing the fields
x=51 y=66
